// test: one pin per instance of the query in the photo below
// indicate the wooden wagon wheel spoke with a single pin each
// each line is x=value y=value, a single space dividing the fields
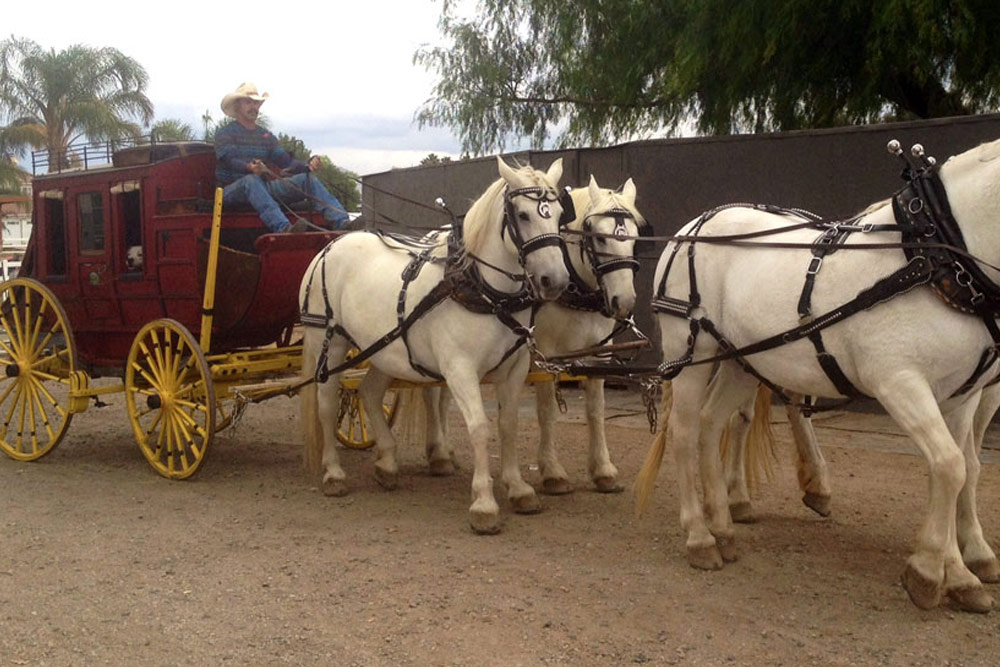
x=352 y=423
x=170 y=398
x=37 y=357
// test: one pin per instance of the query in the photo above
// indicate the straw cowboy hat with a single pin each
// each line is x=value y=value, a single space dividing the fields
x=245 y=91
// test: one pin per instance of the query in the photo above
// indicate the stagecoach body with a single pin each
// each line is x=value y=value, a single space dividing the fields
x=133 y=272
x=158 y=198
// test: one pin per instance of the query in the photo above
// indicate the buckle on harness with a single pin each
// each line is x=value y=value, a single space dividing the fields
x=814 y=265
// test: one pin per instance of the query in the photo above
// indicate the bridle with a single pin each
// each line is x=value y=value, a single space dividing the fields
x=620 y=232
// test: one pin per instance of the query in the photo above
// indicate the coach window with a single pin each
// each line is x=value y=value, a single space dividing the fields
x=53 y=209
x=90 y=213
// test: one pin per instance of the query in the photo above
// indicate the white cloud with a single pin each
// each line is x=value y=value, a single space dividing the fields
x=340 y=74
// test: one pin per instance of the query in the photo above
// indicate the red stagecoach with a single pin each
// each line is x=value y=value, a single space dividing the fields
x=133 y=274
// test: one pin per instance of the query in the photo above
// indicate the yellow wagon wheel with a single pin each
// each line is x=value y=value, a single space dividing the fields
x=170 y=397
x=353 y=426
x=38 y=355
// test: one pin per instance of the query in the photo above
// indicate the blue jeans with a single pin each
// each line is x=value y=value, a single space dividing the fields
x=265 y=195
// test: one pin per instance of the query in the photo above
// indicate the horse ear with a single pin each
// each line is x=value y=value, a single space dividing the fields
x=555 y=172
x=593 y=190
x=628 y=191
x=508 y=173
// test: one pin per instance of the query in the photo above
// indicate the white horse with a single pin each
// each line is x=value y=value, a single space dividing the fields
x=888 y=351
x=510 y=238
x=601 y=293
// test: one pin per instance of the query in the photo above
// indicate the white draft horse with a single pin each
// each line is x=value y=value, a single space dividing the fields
x=603 y=267
x=510 y=239
x=913 y=353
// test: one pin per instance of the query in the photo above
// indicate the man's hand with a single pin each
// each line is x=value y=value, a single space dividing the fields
x=315 y=163
x=257 y=167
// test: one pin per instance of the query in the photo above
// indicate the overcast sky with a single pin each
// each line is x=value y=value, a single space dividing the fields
x=340 y=74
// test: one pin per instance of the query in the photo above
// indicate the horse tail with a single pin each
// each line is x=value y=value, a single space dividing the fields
x=312 y=431
x=760 y=449
x=409 y=416
x=646 y=479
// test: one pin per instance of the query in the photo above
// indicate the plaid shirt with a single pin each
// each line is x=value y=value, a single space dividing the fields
x=235 y=146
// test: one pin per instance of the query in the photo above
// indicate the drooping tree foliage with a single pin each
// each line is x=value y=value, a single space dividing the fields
x=598 y=71
x=79 y=92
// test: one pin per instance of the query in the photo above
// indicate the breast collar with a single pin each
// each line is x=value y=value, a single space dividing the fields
x=922 y=211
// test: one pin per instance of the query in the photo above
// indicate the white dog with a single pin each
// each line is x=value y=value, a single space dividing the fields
x=133 y=258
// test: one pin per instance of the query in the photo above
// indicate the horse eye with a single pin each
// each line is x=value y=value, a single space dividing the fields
x=523 y=217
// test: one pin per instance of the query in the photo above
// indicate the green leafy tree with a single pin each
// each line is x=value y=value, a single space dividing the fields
x=605 y=70
x=172 y=129
x=341 y=182
x=13 y=140
x=79 y=92
x=433 y=159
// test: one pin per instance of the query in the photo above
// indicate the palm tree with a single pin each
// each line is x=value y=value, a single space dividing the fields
x=172 y=129
x=13 y=140
x=80 y=92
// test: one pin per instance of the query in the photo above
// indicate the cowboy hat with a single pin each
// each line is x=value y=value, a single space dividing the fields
x=245 y=91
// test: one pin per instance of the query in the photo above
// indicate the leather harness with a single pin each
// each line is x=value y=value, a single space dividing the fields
x=929 y=233
x=462 y=283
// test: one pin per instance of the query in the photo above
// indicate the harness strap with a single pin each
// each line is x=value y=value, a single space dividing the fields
x=826 y=244
x=410 y=273
x=916 y=272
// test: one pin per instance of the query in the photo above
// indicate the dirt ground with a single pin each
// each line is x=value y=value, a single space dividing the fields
x=104 y=562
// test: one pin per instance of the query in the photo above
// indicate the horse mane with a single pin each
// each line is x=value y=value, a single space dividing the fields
x=486 y=213
x=609 y=199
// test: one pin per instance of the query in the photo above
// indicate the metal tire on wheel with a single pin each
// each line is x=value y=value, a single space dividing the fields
x=38 y=356
x=353 y=424
x=170 y=398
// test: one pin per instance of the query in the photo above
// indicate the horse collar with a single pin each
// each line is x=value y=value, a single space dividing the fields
x=921 y=209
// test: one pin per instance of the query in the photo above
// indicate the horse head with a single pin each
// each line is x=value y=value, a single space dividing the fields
x=610 y=225
x=530 y=225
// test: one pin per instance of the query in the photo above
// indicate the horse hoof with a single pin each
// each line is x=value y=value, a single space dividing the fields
x=484 y=523
x=335 y=488
x=441 y=468
x=529 y=504
x=817 y=503
x=923 y=591
x=742 y=512
x=987 y=571
x=387 y=480
x=971 y=598
x=705 y=558
x=556 y=486
x=727 y=549
x=608 y=485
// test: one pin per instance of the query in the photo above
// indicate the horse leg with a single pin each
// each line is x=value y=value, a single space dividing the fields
x=689 y=390
x=484 y=514
x=521 y=495
x=372 y=391
x=555 y=481
x=439 y=455
x=813 y=473
x=976 y=552
x=740 y=508
x=603 y=472
x=936 y=563
x=320 y=409
x=729 y=390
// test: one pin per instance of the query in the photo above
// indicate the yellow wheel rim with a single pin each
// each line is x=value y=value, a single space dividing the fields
x=170 y=397
x=37 y=355
x=353 y=428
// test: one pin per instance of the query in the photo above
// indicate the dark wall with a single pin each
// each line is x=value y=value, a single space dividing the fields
x=835 y=173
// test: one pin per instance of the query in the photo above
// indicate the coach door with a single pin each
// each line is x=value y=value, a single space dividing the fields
x=93 y=252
